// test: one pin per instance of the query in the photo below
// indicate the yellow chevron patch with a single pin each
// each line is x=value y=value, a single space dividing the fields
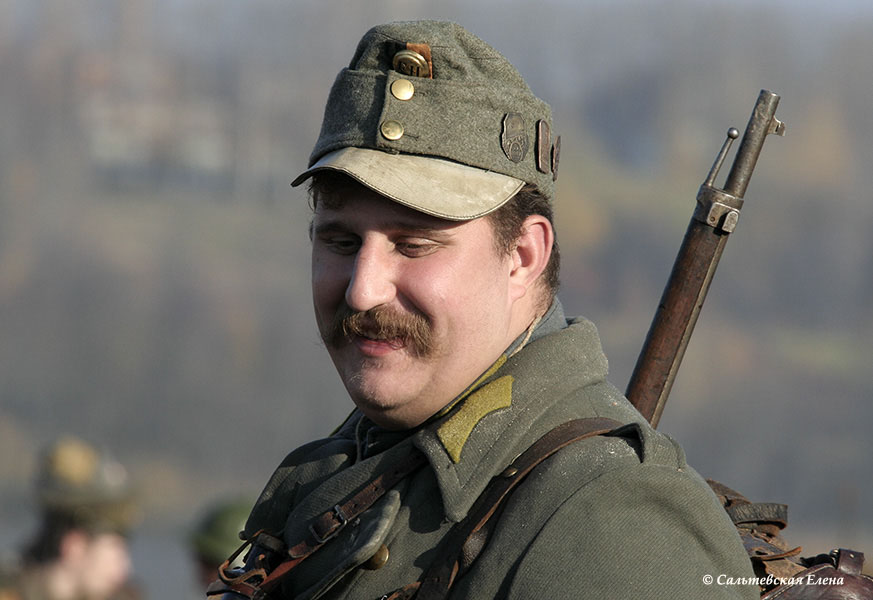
x=455 y=431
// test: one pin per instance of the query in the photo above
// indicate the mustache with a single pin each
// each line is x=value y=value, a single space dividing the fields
x=381 y=323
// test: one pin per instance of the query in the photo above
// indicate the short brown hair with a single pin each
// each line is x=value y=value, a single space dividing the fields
x=508 y=221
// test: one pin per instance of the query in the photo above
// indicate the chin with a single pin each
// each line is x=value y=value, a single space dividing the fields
x=379 y=382
x=380 y=403
x=371 y=401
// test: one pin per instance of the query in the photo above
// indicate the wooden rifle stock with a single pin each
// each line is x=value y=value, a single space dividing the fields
x=715 y=217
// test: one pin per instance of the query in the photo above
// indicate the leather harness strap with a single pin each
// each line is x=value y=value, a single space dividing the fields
x=330 y=523
x=323 y=528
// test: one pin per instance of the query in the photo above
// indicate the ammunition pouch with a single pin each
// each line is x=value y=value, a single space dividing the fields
x=269 y=559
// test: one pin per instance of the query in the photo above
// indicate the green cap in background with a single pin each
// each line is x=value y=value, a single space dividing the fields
x=216 y=535
x=429 y=115
x=86 y=486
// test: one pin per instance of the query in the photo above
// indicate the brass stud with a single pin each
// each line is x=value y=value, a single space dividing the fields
x=378 y=560
x=402 y=89
x=391 y=130
x=411 y=63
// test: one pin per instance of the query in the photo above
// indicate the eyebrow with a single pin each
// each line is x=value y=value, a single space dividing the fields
x=337 y=225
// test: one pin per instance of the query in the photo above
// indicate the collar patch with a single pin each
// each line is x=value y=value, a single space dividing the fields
x=454 y=432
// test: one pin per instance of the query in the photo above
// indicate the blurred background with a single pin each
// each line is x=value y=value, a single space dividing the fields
x=154 y=271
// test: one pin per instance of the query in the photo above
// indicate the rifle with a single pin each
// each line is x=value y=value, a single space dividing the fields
x=714 y=219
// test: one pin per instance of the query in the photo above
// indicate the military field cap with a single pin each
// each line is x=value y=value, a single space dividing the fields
x=216 y=535
x=434 y=118
x=87 y=486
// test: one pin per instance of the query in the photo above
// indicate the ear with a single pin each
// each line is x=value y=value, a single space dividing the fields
x=531 y=255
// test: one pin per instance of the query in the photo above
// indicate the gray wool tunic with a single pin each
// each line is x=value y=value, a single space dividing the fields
x=607 y=517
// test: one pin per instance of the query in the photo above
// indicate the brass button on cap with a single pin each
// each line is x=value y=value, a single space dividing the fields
x=411 y=63
x=378 y=560
x=391 y=130
x=402 y=89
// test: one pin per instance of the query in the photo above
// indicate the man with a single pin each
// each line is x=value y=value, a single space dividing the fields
x=80 y=551
x=434 y=270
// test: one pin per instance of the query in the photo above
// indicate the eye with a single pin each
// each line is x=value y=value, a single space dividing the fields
x=416 y=247
x=342 y=244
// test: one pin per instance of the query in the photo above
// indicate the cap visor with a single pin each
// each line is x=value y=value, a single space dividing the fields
x=434 y=186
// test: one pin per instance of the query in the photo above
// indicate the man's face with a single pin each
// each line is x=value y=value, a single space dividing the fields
x=412 y=308
x=101 y=562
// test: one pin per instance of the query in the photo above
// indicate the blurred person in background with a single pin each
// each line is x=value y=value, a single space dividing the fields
x=80 y=550
x=216 y=536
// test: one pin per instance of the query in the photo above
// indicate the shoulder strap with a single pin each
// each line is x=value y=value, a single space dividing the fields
x=467 y=539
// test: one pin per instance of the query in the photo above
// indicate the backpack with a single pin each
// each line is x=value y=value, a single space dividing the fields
x=780 y=570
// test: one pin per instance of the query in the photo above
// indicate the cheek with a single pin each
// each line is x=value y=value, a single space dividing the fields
x=459 y=297
x=328 y=283
x=108 y=567
x=429 y=286
x=488 y=302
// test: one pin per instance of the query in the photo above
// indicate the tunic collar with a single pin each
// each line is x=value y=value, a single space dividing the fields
x=533 y=392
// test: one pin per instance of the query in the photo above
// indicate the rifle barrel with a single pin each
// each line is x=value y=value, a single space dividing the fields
x=714 y=218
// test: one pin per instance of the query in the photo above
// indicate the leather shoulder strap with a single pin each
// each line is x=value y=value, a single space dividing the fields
x=467 y=539
x=269 y=560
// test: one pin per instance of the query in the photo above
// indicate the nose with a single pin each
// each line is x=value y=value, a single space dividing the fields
x=372 y=279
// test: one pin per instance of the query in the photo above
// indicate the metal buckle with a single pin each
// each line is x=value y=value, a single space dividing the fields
x=332 y=533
